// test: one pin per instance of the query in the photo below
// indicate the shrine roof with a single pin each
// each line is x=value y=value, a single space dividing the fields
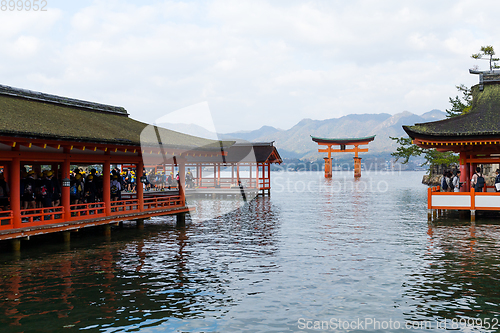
x=343 y=141
x=34 y=115
x=482 y=121
x=250 y=152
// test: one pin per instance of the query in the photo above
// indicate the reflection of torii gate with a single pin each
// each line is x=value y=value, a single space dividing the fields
x=343 y=142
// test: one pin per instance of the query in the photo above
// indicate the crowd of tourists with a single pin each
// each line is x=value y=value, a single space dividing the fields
x=43 y=189
x=450 y=182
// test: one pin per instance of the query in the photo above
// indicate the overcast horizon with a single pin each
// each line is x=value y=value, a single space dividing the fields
x=249 y=63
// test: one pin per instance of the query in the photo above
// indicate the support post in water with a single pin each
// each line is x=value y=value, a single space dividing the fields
x=139 y=223
x=67 y=237
x=181 y=220
x=16 y=245
x=107 y=230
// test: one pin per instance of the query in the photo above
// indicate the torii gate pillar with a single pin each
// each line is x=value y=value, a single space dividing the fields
x=357 y=167
x=328 y=167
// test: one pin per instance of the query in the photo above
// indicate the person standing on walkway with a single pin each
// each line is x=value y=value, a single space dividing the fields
x=477 y=180
x=456 y=181
x=497 y=180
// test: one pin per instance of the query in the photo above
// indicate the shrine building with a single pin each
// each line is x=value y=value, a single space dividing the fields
x=475 y=136
x=40 y=132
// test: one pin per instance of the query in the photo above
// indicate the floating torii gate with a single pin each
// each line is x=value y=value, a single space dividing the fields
x=343 y=142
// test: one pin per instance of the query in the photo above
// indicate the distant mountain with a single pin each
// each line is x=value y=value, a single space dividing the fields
x=434 y=115
x=296 y=142
x=250 y=135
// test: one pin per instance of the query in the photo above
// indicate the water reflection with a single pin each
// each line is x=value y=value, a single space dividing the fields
x=139 y=278
x=459 y=277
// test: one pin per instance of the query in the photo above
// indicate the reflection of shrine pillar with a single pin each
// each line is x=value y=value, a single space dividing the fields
x=328 y=167
x=357 y=166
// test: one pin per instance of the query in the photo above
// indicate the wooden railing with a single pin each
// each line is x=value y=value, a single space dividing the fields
x=158 y=202
x=264 y=184
x=41 y=216
x=124 y=206
x=228 y=183
x=489 y=200
x=87 y=210
x=6 y=220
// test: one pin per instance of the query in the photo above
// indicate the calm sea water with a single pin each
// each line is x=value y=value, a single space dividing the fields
x=318 y=255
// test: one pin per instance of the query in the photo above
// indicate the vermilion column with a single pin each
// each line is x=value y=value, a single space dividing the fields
x=106 y=191
x=199 y=175
x=257 y=175
x=464 y=172
x=357 y=166
x=218 y=174
x=250 y=167
x=328 y=163
x=15 y=191
x=182 y=179
x=215 y=175
x=140 y=192
x=268 y=177
x=472 y=170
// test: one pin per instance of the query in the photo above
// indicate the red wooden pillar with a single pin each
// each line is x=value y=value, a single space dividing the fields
x=328 y=163
x=257 y=176
x=218 y=175
x=232 y=173
x=199 y=174
x=357 y=166
x=472 y=170
x=140 y=192
x=250 y=167
x=464 y=172
x=215 y=175
x=268 y=176
x=182 y=179
x=65 y=190
x=106 y=184
x=15 y=191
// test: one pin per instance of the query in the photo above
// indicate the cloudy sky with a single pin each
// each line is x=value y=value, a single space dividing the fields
x=253 y=63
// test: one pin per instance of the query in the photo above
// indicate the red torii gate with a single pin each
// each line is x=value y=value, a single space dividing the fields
x=343 y=142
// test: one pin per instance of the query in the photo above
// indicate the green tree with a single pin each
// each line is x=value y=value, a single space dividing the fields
x=487 y=53
x=460 y=105
x=407 y=149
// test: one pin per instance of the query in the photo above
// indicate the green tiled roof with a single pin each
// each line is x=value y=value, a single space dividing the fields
x=342 y=141
x=24 y=113
x=483 y=120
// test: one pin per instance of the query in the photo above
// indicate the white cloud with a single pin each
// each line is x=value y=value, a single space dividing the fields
x=256 y=62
